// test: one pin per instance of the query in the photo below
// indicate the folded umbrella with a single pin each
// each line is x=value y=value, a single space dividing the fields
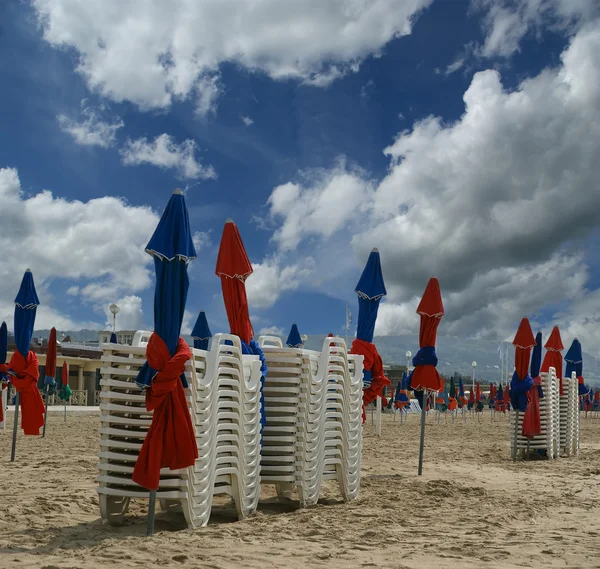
x=3 y=366
x=201 y=332
x=553 y=357
x=574 y=361
x=65 y=391
x=49 y=382
x=532 y=422
x=113 y=338
x=521 y=381
x=294 y=339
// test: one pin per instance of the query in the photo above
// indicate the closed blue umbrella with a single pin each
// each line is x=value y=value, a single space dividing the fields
x=113 y=338
x=170 y=441
x=294 y=339
x=201 y=332
x=574 y=363
x=23 y=367
x=370 y=290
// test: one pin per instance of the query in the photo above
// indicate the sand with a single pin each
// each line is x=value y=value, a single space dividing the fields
x=473 y=507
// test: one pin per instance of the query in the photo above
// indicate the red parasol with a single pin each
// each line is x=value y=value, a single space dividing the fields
x=233 y=268
x=553 y=357
x=521 y=382
x=65 y=374
x=425 y=376
x=51 y=354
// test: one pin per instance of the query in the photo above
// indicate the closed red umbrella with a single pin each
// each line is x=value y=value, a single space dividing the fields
x=521 y=381
x=553 y=357
x=233 y=268
x=425 y=377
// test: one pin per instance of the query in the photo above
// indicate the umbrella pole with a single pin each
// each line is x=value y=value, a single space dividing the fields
x=65 y=411
x=13 y=450
x=527 y=450
x=516 y=435
x=378 y=403
x=422 y=443
x=45 y=414
x=151 y=510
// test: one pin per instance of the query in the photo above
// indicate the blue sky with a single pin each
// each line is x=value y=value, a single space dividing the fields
x=438 y=131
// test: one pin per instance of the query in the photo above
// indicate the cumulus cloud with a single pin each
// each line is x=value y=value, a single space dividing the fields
x=93 y=128
x=165 y=153
x=154 y=55
x=100 y=241
x=493 y=204
x=270 y=280
x=201 y=240
x=271 y=331
x=130 y=316
x=247 y=120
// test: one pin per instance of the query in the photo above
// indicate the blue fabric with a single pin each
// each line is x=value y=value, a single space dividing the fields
x=201 y=332
x=405 y=382
x=173 y=237
x=371 y=283
x=398 y=389
x=518 y=391
x=49 y=385
x=367 y=377
x=461 y=388
x=172 y=248
x=582 y=389
x=26 y=304
x=370 y=289
x=3 y=347
x=294 y=340
x=536 y=361
x=113 y=338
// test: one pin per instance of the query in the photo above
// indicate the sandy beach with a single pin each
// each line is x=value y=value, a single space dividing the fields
x=473 y=507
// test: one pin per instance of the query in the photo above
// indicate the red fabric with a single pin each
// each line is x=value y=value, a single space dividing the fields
x=554 y=359
x=597 y=395
x=463 y=400
x=452 y=403
x=523 y=342
x=431 y=301
x=507 y=395
x=170 y=441
x=374 y=364
x=25 y=382
x=492 y=391
x=65 y=373
x=554 y=342
x=232 y=260
x=471 y=396
x=477 y=392
x=236 y=305
x=532 y=423
x=3 y=370
x=51 y=354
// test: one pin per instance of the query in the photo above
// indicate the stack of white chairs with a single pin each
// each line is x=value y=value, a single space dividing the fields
x=548 y=440
x=224 y=402
x=569 y=416
x=313 y=403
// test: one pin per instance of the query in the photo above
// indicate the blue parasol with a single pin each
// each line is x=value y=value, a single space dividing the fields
x=201 y=332
x=113 y=338
x=370 y=290
x=536 y=361
x=574 y=363
x=172 y=248
x=294 y=339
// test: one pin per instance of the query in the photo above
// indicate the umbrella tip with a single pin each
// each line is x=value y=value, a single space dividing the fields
x=28 y=270
x=375 y=250
x=178 y=191
x=229 y=220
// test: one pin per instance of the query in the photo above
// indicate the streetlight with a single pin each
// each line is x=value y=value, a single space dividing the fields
x=408 y=355
x=474 y=364
x=114 y=308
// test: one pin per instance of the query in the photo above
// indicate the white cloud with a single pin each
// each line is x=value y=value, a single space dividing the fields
x=507 y=22
x=73 y=291
x=455 y=66
x=269 y=280
x=130 y=315
x=201 y=239
x=101 y=240
x=165 y=153
x=271 y=331
x=94 y=128
x=493 y=204
x=247 y=120
x=154 y=55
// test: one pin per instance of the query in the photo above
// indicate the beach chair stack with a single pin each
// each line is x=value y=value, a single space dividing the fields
x=569 y=416
x=548 y=441
x=313 y=411
x=224 y=402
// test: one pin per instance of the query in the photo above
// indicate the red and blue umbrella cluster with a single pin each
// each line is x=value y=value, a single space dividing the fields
x=500 y=402
x=553 y=357
x=521 y=381
x=201 y=332
x=294 y=340
x=23 y=366
x=574 y=361
x=425 y=376
x=532 y=422
x=233 y=268
x=401 y=399
x=462 y=400
x=370 y=290
x=170 y=440
x=492 y=401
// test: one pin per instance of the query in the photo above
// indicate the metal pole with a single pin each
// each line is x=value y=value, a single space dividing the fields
x=45 y=413
x=13 y=450
x=65 y=411
x=516 y=434
x=151 y=509
x=378 y=416
x=422 y=443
